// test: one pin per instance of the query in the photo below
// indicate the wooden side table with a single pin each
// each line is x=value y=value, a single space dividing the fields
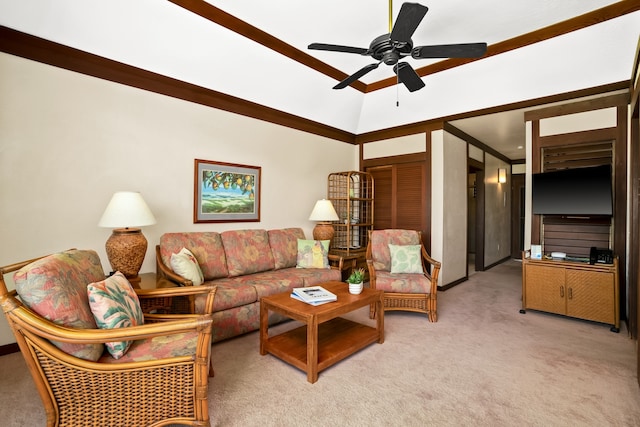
x=159 y=304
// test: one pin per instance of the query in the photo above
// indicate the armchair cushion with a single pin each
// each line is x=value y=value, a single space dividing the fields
x=156 y=348
x=406 y=258
x=403 y=282
x=186 y=265
x=55 y=287
x=313 y=254
x=114 y=304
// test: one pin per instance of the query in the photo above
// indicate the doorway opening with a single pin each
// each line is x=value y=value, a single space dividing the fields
x=475 y=217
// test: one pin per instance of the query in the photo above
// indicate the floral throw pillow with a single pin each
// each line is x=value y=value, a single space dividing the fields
x=313 y=254
x=186 y=265
x=114 y=304
x=405 y=258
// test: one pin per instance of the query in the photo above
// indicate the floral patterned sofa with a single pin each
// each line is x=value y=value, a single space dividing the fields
x=246 y=265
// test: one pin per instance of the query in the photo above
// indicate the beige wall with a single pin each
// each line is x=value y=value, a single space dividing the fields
x=69 y=141
x=497 y=213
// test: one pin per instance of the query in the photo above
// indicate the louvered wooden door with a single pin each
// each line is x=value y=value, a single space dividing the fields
x=401 y=197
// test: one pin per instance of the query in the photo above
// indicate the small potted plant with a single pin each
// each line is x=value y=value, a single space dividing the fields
x=355 y=280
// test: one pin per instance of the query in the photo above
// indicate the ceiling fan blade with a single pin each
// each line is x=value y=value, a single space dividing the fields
x=408 y=76
x=462 y=50
x=408 y=19
x=355 y=76
x=338 y=48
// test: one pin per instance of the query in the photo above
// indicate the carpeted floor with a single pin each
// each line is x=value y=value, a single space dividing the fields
x=482 y=364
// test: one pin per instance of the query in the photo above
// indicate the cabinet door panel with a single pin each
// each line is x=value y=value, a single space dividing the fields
x=591 y=295
x=545 y=289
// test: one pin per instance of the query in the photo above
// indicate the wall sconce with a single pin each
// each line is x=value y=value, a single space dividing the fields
x=502 y=175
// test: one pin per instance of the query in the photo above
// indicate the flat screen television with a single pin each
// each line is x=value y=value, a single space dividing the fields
x=573 y=192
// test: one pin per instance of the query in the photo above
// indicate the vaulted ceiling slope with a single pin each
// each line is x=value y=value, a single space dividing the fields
x=257 y=50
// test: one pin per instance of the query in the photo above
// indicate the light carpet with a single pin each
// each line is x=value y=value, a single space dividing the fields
x=482 y=364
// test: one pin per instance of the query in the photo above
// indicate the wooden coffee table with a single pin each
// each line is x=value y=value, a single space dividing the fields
x=325 y=338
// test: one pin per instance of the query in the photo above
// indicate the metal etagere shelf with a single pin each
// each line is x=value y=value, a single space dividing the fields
x=352 y=196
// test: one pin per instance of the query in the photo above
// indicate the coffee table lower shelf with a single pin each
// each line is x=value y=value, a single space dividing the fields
x=337 y=339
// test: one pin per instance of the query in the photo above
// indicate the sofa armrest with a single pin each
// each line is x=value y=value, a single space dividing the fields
x=335 y=262
x=190 y=292
x=164 y=271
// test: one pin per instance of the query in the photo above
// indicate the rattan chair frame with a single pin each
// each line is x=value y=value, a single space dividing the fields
x=76 y=392
x=420 y=302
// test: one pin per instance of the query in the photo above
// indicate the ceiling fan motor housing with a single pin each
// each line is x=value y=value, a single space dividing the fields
x=384 y=49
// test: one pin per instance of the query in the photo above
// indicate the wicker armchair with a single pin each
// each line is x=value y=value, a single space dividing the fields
x=162 y=380
x=404 y=271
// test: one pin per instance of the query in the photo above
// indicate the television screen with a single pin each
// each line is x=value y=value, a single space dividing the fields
x=579 y=191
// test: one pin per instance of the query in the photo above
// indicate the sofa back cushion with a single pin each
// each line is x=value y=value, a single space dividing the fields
x=206 y=247
x=380 y=240
x=284 y=246
x=247 y=251
x=55 y=287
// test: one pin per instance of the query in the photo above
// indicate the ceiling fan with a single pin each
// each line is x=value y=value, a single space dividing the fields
x=390 y=48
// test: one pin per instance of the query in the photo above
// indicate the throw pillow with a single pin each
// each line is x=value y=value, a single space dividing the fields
x=405 y=258
x=186 y=265
x=313 y=254
x=114 y=304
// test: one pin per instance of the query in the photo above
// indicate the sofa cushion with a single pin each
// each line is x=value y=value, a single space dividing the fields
x=313 y=254
x=247 y=251
x=186 y=265
x=114 y=304
x=55 y=287
x=316 y=276
x=206 y=247
x=284 y=246
x=231 y=292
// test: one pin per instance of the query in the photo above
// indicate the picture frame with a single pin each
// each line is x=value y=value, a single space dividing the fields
x=226 y=192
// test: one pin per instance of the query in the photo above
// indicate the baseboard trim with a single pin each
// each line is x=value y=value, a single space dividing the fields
x=9 y=348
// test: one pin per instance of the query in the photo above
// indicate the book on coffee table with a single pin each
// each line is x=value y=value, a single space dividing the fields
x=314 y=294
x=294 y=296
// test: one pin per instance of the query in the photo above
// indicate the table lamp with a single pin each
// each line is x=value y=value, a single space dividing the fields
x=323 y=212
x=127 y=246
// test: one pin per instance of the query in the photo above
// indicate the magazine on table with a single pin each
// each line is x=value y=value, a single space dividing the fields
x=313 y=294
x=294 y=296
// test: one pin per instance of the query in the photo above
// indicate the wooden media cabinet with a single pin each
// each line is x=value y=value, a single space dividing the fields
x=574 y=289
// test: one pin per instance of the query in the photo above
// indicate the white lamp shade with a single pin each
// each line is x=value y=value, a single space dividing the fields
x=323 y=211
x=126 y=209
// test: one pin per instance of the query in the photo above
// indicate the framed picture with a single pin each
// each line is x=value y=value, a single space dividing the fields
x=226 y=192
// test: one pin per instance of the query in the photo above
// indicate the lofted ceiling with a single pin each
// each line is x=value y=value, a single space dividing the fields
x=256 y=50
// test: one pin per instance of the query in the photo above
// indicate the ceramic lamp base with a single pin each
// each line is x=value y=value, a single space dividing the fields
x=126 y=249
x=323 y=231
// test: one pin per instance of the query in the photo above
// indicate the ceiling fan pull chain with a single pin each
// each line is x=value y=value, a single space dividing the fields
x=397 y=90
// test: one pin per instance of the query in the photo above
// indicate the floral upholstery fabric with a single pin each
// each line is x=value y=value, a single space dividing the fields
x=114 y=304
x=380 y=240
x=156 y=348
x=231 y=292
x=55 y=287
x=284 y=246
x=247 y=251
x=206 y=247
x=256 y=266
x=316 y=276
x=409 y=283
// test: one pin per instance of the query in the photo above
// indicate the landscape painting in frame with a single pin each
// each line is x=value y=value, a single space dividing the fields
x=226 y=192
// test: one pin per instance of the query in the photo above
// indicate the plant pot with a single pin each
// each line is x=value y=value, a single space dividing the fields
x=355 y=288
